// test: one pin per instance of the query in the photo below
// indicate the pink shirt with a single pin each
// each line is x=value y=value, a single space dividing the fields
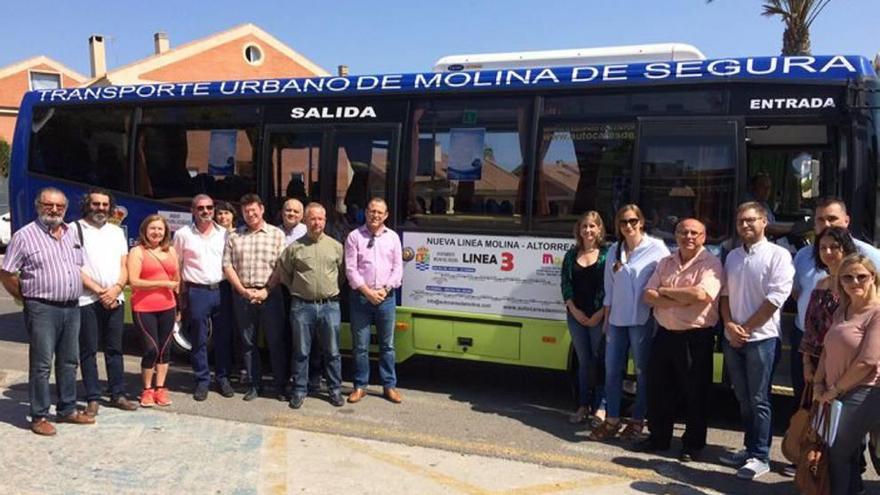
x=849 y=341
x=377 y=264
x=704 y=271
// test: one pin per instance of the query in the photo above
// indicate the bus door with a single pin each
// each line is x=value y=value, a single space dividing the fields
x=687 y=167
x=340 y=166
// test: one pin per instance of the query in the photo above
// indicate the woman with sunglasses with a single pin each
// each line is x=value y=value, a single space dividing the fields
x=628 y=324
x=583 y=271
x=849 y=370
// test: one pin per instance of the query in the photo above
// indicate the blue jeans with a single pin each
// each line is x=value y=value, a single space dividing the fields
x=619 y=341
x=363 y=313
x=54 y=334
x=586 y=341
x=310 y=322
x=750 y=369
x=207 y=305
x=860 y=414
x=270 y=317
x=96 y=322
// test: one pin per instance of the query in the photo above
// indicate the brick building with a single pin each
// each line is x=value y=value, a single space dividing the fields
x=34 y=73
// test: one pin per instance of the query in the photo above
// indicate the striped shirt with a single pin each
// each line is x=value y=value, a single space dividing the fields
x=253 y=253
x=49 y=268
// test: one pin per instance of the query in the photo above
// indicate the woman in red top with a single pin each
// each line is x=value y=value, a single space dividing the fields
x=154 y=279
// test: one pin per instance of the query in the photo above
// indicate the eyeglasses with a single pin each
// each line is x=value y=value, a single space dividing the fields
x=99 y=203
x=852 y=279
x=49 y=206
x=632 y=222
x=747 y=220
x=205 y=207
x=371 y=242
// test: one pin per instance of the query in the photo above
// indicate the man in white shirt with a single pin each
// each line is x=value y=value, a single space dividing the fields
x=758 y=280
x=200 y=248
x=291 y=221
x=102 y=303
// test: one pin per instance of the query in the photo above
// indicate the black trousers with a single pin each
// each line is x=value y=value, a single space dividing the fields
x=680 y=368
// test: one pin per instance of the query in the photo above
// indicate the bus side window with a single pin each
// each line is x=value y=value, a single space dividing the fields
x=82 y=145
x=467 y=165
x=184 y=151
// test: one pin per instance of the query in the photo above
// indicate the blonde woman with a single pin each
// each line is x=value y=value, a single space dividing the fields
x=154 y=278
x=629 y=326
x=849 y=369
x=583 y=271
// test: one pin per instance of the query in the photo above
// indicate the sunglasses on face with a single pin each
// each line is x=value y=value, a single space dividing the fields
x=852 y=279
x=205 y=208
x=632 y=222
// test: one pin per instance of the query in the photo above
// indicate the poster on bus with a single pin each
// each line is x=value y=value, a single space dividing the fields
x=466 y=147
x=509 y=276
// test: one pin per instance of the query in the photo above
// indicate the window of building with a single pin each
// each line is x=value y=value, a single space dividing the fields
x=467 y=165
x=89 y=146
x=44 y=80
x=184 y=151
x=253 y=54
x=582 y=167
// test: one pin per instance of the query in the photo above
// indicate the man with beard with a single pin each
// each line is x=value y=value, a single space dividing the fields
x=102 y=303
x=42 y=268
x=758 y=279
x=200 y=248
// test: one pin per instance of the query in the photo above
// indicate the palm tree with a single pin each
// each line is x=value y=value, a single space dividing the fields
x=798 y=16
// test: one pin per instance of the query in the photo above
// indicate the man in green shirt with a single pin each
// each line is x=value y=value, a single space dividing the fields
x=311 y=268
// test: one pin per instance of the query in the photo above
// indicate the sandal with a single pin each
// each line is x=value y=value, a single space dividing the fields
x=605 y=431
x=633 y=431
x=579 y=416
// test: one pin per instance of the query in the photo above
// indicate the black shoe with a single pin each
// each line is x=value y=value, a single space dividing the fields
x=282 y=396
x=201 y=392
x=336 y=399
x=225 y=388
x=251 y=394
x=296 y=401
x=649 y=446
x=687 y=455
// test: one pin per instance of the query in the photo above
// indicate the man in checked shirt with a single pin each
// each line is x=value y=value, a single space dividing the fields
x=249 y=260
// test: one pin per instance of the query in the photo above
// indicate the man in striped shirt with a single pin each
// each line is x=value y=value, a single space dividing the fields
x=42 y=267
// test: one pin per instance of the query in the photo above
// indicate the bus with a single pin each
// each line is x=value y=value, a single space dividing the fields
x=484 y=171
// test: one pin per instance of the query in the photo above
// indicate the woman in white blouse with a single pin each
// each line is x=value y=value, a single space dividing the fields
x=628 y=325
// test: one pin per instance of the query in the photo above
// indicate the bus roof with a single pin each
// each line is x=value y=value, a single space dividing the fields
x=657 y=52
x=828 y=69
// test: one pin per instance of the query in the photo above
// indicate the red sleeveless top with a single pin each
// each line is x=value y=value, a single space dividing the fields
x=157 y=298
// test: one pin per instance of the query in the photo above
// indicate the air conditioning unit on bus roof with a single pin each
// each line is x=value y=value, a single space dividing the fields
x=658 y=52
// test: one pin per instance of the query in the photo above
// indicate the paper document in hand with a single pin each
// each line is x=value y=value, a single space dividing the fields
x=833 y=417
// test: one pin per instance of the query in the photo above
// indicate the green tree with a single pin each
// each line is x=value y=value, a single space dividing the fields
x=798 y=16
x=4 y=158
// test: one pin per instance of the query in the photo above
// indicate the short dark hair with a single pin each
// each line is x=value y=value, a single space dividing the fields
x=826 y=201
x=839 y=234
x=250 y=198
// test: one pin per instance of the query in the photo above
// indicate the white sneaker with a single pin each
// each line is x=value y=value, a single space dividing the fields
x=752 y=469
x=735 y=459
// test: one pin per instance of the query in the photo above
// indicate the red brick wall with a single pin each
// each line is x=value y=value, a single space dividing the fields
x=7 y=127
x=227 y=61
x=13 y=88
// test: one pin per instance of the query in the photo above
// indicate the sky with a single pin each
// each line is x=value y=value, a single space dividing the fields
x=392 y=36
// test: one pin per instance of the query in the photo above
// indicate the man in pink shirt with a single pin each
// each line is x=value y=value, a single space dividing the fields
x=683 y=292
x=374 y=268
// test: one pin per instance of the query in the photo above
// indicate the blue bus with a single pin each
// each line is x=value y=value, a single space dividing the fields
x=485 y=171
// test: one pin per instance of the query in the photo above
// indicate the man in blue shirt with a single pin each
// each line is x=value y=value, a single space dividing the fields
x=830 y=212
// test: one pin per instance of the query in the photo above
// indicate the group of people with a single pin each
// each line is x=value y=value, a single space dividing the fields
x=665 y=307
x=227 y=282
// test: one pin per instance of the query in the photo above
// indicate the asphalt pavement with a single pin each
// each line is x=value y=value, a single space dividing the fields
x=462 y=428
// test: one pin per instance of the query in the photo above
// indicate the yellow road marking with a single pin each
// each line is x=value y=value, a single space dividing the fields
x=273 y=465
x=465 y=487
x=383 y=433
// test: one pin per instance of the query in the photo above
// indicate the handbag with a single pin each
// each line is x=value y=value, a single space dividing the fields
x=797 y=426
x=812 y=476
